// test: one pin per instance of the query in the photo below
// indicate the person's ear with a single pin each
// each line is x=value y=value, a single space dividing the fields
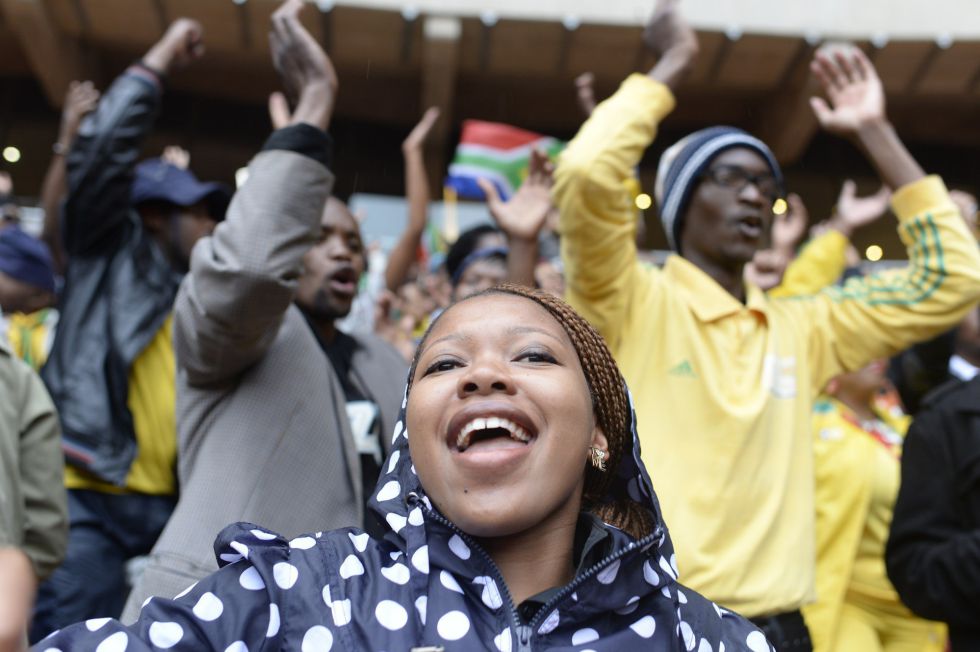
x=599 y=440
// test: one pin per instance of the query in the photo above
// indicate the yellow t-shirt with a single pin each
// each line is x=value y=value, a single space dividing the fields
x=152 y=402
x=723 y=390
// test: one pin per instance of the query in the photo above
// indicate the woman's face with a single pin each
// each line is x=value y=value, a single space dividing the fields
x=500 y=417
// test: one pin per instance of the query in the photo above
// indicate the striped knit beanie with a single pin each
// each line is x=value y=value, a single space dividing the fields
x=682 y=164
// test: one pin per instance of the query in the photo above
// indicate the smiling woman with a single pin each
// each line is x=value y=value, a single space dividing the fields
x=505 y=532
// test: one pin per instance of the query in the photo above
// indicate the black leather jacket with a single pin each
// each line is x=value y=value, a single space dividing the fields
x=119 y=286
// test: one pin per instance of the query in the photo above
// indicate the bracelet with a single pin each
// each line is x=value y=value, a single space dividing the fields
x=59 y=149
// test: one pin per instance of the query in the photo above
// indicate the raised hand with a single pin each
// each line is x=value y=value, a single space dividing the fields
x=182 y=44
x=176 y=156
x=80 y=100
x=853 y=212
x=585 y=92
x=790 y=227
x=523 y=216
x=416 y=139
x=853 y=87
x=671 y=39
x=307 y=74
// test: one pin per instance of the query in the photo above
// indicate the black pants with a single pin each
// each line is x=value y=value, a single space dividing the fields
x=787 y=632
x=106 y=530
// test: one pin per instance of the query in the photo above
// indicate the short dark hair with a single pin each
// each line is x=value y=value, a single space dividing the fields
x=467 y=243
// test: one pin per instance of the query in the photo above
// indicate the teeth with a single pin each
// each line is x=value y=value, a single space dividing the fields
x=516 y=432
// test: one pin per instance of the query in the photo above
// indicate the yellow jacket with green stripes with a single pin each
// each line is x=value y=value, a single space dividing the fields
x=723 y=390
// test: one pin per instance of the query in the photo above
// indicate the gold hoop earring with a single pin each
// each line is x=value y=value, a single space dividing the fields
x=598 y=457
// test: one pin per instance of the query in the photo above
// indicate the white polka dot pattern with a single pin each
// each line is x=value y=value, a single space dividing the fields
x=317 y=639
x=166 y=635
x=345 y=589
x=453 y=626
x=391 y=615
x=95 y=624
x=285 y=575
x=550 y=623
x=251 y=580
x=421 y=604
x=209 y=607
x=351 y=567
x=503 y=641
x=757 y=642
x=583 y=636
x=447 y=580
x=688 y=635
x=459 y=547
x=117 y=642
x=398 y=574
x=273 y=627
x=644 y=627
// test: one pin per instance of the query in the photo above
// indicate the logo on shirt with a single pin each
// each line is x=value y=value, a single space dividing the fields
x=779 y=374
x=684 y=369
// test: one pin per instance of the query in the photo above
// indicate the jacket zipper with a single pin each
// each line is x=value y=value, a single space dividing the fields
x=570 y=588
x=521 y=632
x=524 y=633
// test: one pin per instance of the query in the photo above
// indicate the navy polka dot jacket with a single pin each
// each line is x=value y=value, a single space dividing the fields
x=426 y=586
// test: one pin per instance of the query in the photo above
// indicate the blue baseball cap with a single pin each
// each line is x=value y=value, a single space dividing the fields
x=157 y=180
x=26 y=258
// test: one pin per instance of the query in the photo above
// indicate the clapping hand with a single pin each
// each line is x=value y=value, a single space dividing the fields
x=307 y=74
x=853 y=87
x=523 y=216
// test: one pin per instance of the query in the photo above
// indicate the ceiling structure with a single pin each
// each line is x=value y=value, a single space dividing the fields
x=393 y=62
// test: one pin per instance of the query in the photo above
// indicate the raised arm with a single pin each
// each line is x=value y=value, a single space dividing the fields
x=82 y=98
x=597 y=214
x=100 y=165
x=857 y=111
x=522 y=217
x=417 y=194
x=885 y=313
x=823 y=260
x=243 y=277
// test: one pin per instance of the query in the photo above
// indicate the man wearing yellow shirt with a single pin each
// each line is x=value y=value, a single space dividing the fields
x=127 y=231
x=724 y=377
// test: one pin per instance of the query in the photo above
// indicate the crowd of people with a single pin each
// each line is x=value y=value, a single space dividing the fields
x=199 y=451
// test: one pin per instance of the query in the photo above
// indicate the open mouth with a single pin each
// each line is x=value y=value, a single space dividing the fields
x=344 y=281
x=483 y=433
x=489 y=429
x=750 y=227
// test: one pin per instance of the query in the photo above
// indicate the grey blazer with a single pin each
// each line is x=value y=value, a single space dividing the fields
x=261 y=416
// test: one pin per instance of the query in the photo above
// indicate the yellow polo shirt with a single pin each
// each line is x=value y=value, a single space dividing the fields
x=723 y=391
x=153 y=404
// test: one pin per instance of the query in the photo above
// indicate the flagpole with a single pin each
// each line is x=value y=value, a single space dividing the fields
x=450 y=218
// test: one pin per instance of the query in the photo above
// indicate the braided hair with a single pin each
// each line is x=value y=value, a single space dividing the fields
x=609 y=402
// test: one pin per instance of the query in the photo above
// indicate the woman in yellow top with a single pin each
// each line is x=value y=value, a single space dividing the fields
x=858 y=436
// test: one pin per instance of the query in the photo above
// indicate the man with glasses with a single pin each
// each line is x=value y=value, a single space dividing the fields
x=723 y=376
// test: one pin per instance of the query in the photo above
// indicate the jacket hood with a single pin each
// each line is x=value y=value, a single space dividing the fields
x=426 y=586
x=633 y=590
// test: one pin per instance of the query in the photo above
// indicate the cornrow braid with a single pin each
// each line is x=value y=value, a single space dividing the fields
x=609 y=402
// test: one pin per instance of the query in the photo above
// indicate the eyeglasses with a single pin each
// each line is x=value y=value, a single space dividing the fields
x=736 y=178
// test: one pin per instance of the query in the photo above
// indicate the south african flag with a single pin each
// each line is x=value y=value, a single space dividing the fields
x=497 y=152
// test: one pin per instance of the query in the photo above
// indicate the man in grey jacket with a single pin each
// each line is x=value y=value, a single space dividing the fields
x=279 y=414
x=33 y=505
